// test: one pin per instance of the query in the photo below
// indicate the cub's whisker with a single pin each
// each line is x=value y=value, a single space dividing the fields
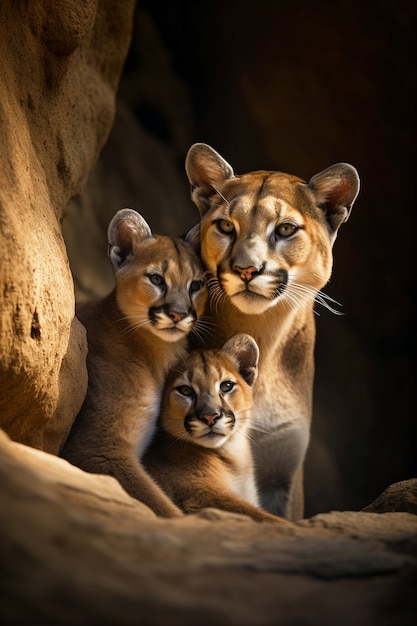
x=134 y=326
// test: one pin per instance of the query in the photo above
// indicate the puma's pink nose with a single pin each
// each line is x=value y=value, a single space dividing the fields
x=246 y=273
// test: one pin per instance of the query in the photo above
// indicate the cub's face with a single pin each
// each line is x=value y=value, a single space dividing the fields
x=159 y=279
x=209 y=396
x=266 y=237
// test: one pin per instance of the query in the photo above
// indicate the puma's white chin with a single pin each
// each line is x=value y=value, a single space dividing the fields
x=252 y=304
x=168 y=334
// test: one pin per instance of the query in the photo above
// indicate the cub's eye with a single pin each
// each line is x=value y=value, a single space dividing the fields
x=195 y=286
x=286 y=229
x=227 y=385
x=185 y=390
x=225 y=226
x=156 y=279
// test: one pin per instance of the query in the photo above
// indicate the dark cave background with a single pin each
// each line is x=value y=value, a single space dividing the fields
x=293 y=86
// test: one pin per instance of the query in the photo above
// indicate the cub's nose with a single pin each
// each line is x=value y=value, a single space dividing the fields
x=176 y=316
x=210 y=418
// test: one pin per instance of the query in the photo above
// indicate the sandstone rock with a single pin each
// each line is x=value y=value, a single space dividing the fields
x=60 y=69
x=398 y=497
x=76 y=549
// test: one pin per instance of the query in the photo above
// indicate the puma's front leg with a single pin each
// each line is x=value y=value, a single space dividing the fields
x=279 y=458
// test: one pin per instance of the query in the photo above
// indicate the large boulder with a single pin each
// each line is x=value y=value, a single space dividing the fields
x=76 y=549
x=61 y=64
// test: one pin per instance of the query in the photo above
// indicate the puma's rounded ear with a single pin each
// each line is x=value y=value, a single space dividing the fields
x=244 y=349
x=206 y=171
x=335 y=190
x=126 y=230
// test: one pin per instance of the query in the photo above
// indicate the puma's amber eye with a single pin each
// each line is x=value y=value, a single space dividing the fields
x=286 y=229
x=225 y=226
x=185 y=390
x=156 y=280
x=227 y=385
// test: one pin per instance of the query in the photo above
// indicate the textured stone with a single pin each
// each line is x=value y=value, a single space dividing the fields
x=60 y=69
x=76 y=549
x=398 y=497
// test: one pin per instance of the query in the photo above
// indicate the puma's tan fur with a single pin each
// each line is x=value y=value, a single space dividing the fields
x=201 y=453
x=266 y=241
x=135 y=335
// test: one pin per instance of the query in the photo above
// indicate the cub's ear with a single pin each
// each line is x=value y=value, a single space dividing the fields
x=206 y=171
x=335 y=190
x=245 y=352
x=126 y=230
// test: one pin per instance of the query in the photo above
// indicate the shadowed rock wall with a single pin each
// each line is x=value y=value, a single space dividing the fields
x=61 y=63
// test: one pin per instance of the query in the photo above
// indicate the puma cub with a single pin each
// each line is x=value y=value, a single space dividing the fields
x=201 y=453
x=135 y=335
x=266 y=242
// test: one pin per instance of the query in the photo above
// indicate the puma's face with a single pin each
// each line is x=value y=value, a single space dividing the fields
x=159 y=279
x=266 y=237
x=209 y=396
x=261 y=248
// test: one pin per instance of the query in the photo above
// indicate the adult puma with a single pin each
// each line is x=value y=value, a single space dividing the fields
x=266 y=241
x=201 y=454
x=134 y=336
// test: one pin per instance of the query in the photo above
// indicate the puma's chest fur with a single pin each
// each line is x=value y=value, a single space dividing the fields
x=239 y=471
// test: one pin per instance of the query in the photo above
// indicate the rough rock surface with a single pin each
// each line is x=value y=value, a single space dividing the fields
x=398 y=497
x=61 y=64
x=76 y=549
